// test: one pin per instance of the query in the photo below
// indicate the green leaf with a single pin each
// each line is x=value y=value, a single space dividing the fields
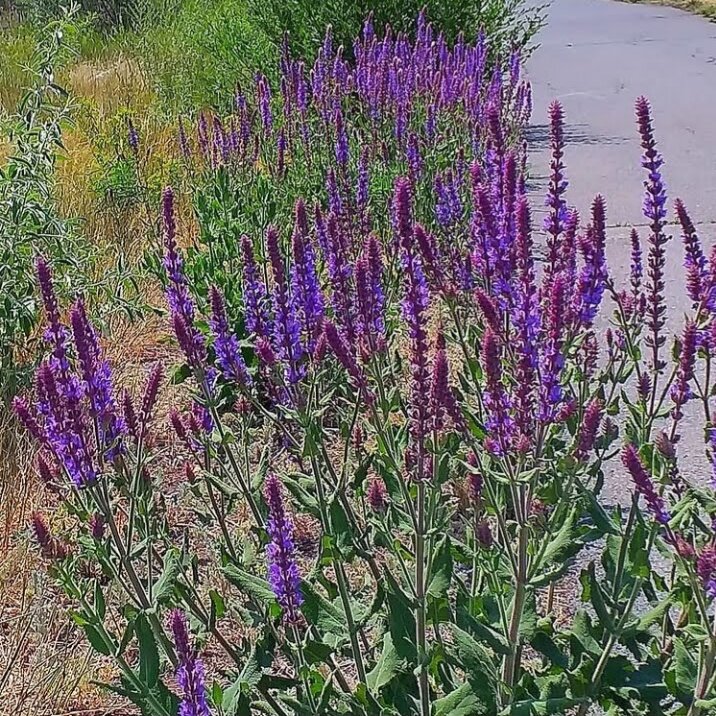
x=461 y=702
x=96 y=640
x=321 y=613
x=685 y=668
x=401 y=622
x=638 y=558
x=164 y=586
x=476 y=661
x=546 y=646
x=316 y=652
x=561 y=543
x=388 y=665
x=599 y=600
x=148 y=652
x=341 y=530
x=442 y=567
x=541 y=707
x=482 y=632
x=99 y=603
x=253 y=586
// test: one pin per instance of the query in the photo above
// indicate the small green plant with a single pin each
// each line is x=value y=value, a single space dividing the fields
x=29 y=221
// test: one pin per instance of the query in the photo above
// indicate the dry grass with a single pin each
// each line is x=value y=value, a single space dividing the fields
x=45 y=665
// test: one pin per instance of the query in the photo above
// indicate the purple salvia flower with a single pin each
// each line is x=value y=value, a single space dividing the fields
x=655 y=212
x=177 y=290
x=636 y=268
x=552 y=357
x=557 y=207
x=55 y=334
x=414 y=157
x=264 y=101
x=401 y=214
x=184 y=146
x=377 y=496
x=415 y=306
x=526 y=322
x=442 y=397
x=283 y=574
x=706 y=569
x=644 y=485
x=190 y=672
x=97 y=378
x=363 y=186
x=254 y=292
x=694 y=260
x=590 y=428
x=341 y=147
x=65 y=428
x=592 y=278
x=681 y=390
x=499 y=424
x=191 y=343
x=27 y=418
x=281 y=146
x=304 y=276
x=149 y=399
x=130 y=415
x=132 y=137
x=226 y=344
x=340 y=274
x=370 y=296
x=342 y=351
x=286 y=329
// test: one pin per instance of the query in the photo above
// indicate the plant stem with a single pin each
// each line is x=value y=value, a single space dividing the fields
x=420 y=600
x=510 y=668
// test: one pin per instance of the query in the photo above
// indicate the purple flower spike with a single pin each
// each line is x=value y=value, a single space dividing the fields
x=304 y=278
x=589 y=428
x=554 y=222
x=283 y=571
x=644 y=485
x=149 y=399
x=56 y=334
x=226 y=345
x=636 y=270
x=694 y=259
x=499 y=422
x=552 y=358
x=287 y=331
x=377 y=496
x=190 y=672
x=442 y=397
x=681 y=390
x=592 y=278
x=97 y=379
x=706 y=569
x=177 y=290
x=402 y=214
x=254 y=291
x=655 y=212
x=132 y=137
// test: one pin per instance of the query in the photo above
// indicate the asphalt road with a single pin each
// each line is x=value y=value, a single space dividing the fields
x=596 y=57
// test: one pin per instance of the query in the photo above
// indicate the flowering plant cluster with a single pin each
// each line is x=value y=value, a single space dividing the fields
x=399 y=424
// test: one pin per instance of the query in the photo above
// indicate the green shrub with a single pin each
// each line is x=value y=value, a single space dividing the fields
x=197 y=57
x=508 y=23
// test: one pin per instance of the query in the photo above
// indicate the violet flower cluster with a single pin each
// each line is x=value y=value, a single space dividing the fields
x=75 y=415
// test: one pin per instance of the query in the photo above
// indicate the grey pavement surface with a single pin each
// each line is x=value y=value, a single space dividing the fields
x=596 y=57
